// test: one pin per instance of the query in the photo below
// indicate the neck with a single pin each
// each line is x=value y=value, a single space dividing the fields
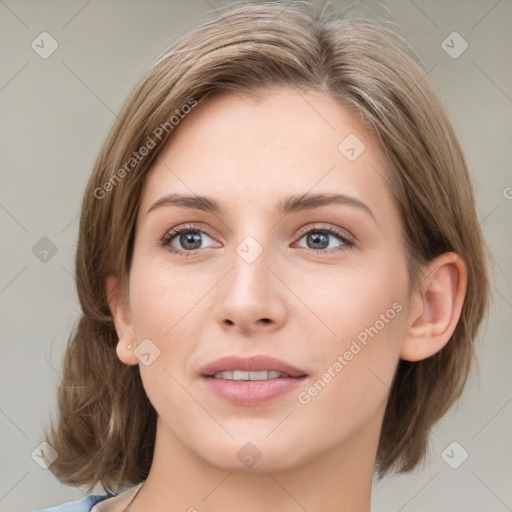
x=338 y=479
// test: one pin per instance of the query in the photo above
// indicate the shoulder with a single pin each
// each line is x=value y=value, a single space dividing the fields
x=83 y=505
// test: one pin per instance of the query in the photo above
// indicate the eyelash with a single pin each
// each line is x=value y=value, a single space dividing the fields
x=348 y=242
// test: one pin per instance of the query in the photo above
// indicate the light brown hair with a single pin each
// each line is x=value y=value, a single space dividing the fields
x=106 y=427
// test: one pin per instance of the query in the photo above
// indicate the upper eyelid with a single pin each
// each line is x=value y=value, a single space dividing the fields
x=305 y=229
x=333 y=230
x=327 y=227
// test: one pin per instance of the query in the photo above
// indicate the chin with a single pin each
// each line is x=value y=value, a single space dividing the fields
x=253 y=454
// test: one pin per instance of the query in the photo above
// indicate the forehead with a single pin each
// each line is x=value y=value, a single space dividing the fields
x=250 y=151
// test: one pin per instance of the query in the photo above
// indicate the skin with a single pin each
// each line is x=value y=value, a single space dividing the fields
x=248 y=155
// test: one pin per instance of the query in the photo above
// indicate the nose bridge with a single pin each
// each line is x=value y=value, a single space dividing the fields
x=251 y=294
x=249 y=277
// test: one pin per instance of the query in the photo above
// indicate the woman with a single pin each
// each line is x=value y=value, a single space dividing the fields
x=281 y=272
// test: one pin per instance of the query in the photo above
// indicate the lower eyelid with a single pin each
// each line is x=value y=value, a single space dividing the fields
x=174 y=233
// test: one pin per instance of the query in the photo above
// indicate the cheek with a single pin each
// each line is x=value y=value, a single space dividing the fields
x=367 y=312
x=349 y=393
x=356 y=301
x=167 y=305
x=162 y=303
x=162 y=297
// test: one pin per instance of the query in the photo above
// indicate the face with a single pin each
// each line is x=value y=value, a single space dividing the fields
x=279 y=269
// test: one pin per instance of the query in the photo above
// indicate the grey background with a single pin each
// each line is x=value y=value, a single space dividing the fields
x=55 y=115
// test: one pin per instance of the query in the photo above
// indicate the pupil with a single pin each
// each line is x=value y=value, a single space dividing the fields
x=319 y=238
x=192 y=238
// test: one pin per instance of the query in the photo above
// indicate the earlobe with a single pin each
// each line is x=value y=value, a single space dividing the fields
x=439 y=297
x=122 y=321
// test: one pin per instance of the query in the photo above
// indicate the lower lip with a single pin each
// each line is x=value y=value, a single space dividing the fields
x=251 y=392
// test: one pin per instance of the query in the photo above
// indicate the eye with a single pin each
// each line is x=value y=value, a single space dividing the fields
x=184 y=240
x=188 y=239
x=320 y=237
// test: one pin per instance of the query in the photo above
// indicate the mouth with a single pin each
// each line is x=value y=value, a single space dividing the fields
x=251 y=381
x=245 y=375
x=258 y=367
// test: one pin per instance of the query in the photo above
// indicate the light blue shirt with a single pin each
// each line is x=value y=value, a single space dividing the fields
x=83 y=505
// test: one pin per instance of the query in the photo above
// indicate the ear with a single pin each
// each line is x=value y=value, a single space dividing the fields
x=120 y=309
x=437 y=306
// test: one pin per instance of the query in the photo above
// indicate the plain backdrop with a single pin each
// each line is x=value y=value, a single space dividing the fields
x=55 y=114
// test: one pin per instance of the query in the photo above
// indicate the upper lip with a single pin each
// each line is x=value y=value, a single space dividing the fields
x=250 y=364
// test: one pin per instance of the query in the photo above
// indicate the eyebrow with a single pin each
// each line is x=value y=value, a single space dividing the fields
x=295 y=203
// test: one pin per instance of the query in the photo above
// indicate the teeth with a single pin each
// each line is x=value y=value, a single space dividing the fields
x=243 y=375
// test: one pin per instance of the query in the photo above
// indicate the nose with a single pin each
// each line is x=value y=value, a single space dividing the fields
x=251 y=297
